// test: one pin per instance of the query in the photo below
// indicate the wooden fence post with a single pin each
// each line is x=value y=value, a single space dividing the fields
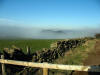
x=28 y=50
x=45 y=71
x=3 y=66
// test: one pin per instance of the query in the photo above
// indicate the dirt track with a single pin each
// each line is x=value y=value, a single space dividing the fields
x=93 y=59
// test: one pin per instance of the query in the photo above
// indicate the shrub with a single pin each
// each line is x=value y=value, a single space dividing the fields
x=97 y=35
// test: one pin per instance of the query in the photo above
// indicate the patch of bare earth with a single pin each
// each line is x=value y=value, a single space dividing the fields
x=93 y=59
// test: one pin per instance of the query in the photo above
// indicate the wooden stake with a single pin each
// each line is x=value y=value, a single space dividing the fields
x=28 y=50
x=3 y=66
x=45 y=71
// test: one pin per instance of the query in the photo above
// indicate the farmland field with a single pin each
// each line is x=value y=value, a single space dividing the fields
x=35 y=44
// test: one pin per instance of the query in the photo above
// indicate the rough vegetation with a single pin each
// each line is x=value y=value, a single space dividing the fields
x=45 y=55
x=97 y=35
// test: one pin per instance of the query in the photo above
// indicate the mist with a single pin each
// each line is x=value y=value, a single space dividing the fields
x=18 y=32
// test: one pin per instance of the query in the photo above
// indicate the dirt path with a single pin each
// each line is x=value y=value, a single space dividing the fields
x=93 y=59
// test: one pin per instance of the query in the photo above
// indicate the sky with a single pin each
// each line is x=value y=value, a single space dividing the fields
x=50 y=14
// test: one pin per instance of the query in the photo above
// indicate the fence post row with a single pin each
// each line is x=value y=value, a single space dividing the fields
x=3 y=66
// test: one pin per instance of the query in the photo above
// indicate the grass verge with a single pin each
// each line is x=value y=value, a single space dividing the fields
x=74 y=57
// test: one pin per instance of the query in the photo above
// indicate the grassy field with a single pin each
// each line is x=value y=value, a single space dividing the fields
x=36 y=44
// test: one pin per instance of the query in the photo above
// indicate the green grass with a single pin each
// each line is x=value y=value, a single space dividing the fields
x=36 y=44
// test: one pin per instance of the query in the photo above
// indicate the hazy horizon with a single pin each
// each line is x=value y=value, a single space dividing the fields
x=15 y=32
x=49 y=19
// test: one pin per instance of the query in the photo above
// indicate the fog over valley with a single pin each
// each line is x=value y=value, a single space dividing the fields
x=18 y=32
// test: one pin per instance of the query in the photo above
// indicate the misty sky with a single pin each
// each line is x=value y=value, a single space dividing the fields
x=49 y=14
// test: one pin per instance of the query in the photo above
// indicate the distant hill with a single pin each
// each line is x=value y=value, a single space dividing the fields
x=53 y=31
